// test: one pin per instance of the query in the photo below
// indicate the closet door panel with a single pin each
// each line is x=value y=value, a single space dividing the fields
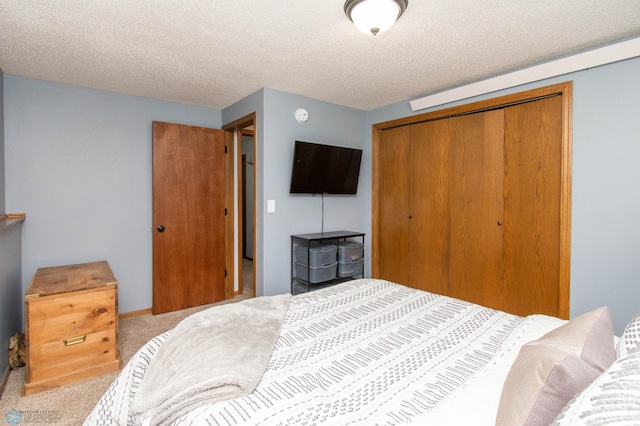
x=393 y=212
x=429 y=206
x=476 y=208
x=532 y=188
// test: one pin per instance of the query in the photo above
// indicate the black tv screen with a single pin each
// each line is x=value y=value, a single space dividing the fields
x=324 y=169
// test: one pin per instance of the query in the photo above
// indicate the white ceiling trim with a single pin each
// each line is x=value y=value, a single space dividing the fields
x=604 y=55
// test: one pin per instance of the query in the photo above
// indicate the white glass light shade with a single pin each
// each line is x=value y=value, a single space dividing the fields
x=374 y=16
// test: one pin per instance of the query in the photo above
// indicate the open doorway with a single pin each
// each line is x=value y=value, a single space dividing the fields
x=246 y=142
x=241 y=140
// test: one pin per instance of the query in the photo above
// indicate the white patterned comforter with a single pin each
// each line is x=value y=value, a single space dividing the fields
x=364 y=352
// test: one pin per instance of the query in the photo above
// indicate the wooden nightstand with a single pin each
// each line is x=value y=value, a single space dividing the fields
x=71 y=325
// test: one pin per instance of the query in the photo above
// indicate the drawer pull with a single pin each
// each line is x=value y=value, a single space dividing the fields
x=75 y=340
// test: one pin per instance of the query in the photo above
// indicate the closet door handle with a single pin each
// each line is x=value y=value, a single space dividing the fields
x=160 y=228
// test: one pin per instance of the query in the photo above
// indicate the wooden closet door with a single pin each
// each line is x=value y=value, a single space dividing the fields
x=476 y=208
x=509 y=201
x=532 y=188
x=393 y=240
x=429 y=206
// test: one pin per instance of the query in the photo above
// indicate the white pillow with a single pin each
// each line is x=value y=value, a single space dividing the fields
x=550 y=371
x=613 y=398
x=629 y=343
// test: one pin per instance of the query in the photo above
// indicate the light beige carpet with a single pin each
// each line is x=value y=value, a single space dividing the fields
x=70 y=405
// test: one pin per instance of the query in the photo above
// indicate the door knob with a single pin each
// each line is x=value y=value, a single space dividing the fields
x=499 y=223
x=160 y=228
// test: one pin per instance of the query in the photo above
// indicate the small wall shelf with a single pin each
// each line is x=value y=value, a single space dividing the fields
x=10 y=219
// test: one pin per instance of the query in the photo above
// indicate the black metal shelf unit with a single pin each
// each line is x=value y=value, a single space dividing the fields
x=303 y=243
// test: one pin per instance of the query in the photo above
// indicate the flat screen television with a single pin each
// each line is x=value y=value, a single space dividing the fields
x=324 y=169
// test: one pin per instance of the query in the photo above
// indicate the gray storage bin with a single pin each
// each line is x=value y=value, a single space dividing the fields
x=316 y=274
x=319 y=255
x=349 y=269
x=349 y=251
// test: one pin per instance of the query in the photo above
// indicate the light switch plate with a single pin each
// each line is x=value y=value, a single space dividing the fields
x=271 y=206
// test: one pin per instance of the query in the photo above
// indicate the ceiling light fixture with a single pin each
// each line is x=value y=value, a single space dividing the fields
x=374 y=16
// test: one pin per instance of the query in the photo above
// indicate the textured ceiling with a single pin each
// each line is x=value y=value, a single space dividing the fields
x=215 y=52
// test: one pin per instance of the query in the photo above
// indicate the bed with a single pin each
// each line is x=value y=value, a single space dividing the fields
x=371 y=352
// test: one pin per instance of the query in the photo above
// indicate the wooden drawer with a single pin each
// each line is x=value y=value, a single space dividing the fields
x=72 y=314
x=56 y=360
x=71 y=324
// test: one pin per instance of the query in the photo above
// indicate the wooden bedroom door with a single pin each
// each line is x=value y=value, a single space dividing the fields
x=188 y=216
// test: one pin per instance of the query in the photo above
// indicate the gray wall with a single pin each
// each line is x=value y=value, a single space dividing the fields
x=2 y=174
x=11 y=301
x=10 y=262
x=277 y=129
x=78 y=162
x=605 y=246
x=298 y=214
